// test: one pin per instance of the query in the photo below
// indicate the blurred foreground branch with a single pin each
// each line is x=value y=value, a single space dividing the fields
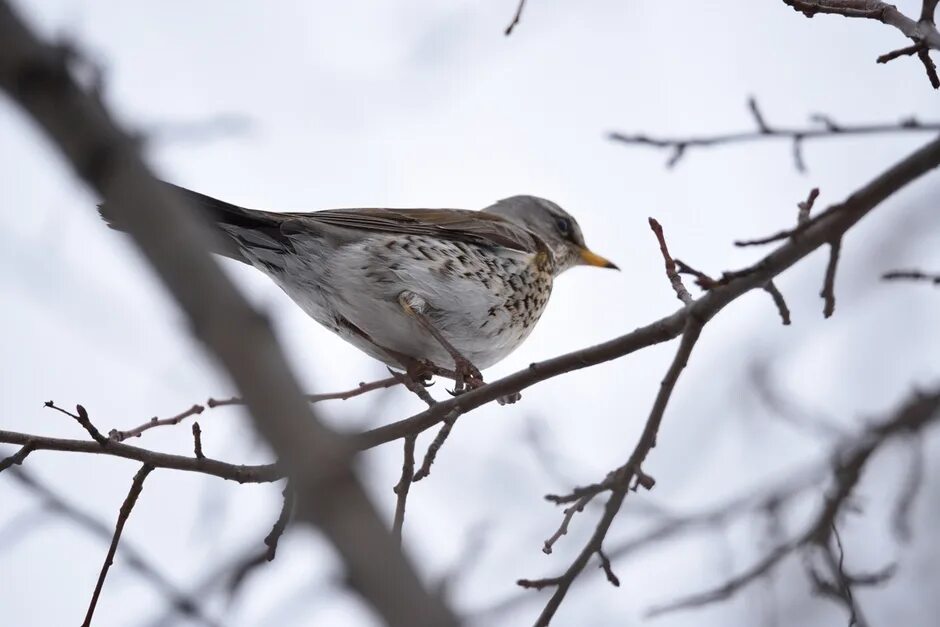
x=39 y=77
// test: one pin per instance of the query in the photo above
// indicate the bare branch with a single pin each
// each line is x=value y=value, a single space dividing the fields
x=82 y=418
x=136 y=486
x=197 y=441
x=362 y=388
x=673 y=276
x=828 y=129
x=181 y=601
x=779 y=301
x=829 y=283
x=621 y=482
x=18 y=457
x=404 y=485
x=569 y=513
x=436 y=445
x=911 y=275
x=241 y=572
x=262 y=473
x=923 y=32
x=119 y=436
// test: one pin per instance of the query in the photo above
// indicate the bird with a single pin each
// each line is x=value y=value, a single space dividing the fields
x=446 y=292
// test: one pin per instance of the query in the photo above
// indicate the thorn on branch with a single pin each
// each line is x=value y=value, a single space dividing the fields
x=82 y=418
x=404 y=484
x=197 y=441
x=828 y=290
x=435 y=446
x=671 y=273
x=605 y=564
x=136 y=487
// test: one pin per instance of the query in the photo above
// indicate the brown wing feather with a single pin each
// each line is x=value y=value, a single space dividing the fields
x=478 y=227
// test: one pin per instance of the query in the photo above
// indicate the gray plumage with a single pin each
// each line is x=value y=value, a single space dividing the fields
x=482 y=278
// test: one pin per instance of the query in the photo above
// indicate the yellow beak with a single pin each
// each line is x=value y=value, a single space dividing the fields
x=593 y=259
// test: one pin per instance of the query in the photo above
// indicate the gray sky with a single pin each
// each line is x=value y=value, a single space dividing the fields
x=367 y=103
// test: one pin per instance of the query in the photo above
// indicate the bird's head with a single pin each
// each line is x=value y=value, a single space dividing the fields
x=554 y=226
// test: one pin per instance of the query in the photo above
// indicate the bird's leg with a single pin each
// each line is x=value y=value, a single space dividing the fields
x=417 y=373
x=466 y=375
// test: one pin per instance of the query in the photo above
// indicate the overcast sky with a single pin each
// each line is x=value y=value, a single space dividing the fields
x=311 y=105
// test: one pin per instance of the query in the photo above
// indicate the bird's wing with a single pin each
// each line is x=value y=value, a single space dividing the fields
x=477 y=227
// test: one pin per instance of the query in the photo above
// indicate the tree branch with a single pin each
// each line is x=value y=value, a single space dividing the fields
x=830 y=224
x=136 y=486
x=922 y=32
x=828 y=128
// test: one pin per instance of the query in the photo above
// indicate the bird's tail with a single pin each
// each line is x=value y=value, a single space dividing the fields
x=228 y=218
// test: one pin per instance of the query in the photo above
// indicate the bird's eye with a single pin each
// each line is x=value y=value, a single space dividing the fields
x=564 y=225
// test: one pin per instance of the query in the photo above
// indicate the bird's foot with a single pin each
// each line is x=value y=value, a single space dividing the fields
x=466 y=376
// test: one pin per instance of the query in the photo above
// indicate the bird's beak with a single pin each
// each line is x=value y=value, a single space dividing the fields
x=593 y=259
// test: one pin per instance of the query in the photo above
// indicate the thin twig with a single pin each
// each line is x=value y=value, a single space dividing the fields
x=569 y=513
x=674 y=278
x=136 y=486
x=678 y=146
x=16 y=458
x=802 y=217
x=82 y=418
x=261 y=473
x=608 y=571
x=362 y=388
x=436 y=445
x=515 y=18
x=182 y=602
x=119 y=436
x=911 y=275
x=250 y=564
x=828 y=292
x=404 y=485
x=779 y=301
x=197 y=441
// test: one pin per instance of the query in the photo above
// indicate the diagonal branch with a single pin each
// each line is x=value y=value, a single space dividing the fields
x=136 y=486
x=624 y=474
